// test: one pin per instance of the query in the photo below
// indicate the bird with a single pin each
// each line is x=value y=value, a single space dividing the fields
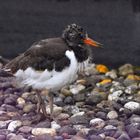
x=52 y=63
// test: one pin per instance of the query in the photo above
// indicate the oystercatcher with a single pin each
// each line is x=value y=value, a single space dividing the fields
x=52 y=63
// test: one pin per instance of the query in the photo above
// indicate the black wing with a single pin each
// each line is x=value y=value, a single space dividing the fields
x=45 y=54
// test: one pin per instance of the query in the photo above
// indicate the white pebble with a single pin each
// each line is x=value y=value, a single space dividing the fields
x=55 y=126
x=56 y=110
x=13 y=125
x=115 y=95
x=75 y=89
x=132 y=106
x=97 y=123
x=41 y=131
x=112 y=74
x=78 y=114
x=112 y=115
x=20 y=101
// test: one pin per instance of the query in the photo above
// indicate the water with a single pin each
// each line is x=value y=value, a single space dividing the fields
x=114 y=23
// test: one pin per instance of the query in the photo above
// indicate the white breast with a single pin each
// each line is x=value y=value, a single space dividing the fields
x=51 y=80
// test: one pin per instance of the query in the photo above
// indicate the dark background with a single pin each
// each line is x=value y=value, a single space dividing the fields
x=114 y=23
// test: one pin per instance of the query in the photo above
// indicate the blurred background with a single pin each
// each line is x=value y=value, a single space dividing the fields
x=114 y=23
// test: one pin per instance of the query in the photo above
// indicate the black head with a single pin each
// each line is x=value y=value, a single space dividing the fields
x=74 y=35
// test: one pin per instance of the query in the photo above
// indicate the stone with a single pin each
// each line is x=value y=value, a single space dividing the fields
x=109 y=138
x=132 y=106
x=44 y=124
x=56 y=110
x=44 y=137
x=67 y=129
x=96 y=97
x=58 y=138
x=2 y=137
x=112 y=115
x=124 y=136
x=41 y=131
x=69 y=100
x=75 y=89
x=3 y=124
x=55 y=125
x=77 y=138
x=133 y=132
x=101 y=115
x=25 y=129
x=28 y=108
x=14 y=125
x=110 y=127
x=20 y=101
x=66 y=92
x=11 y=100
x=17 y=137
x=112 y=74
x=79 y=119
x=78 y=114
x=115 y=95
x=97 y=123
x=62 y=116
x=91 y=70
x=79 y=97
x=78 y=127
x=126 y=69
x=94 y=137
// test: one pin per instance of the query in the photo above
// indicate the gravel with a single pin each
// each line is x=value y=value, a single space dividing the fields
x=98 y=106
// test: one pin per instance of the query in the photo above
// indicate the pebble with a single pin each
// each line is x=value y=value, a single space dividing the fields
x=3 y=124
x=97 y=123
x=62 y=116
x=20 y=101
x=55 y=125
x=68 y=130
x=112 y=74
x=124 y=136
x=14 y=125
x=25 y=129
x=79 y=119
x=126 y=69
x=28 y=108
x=115 y=95
x=75 y=89
x=2 y=137
x=41 y=131
x=99 y=105
x=132 y=106
x=112 y=115
x=56 y=110
x=17 y=137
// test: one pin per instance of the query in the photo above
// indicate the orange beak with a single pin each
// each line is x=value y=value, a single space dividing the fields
x=91 y=42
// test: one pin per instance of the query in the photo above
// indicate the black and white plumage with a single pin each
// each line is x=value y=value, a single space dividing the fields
x=53 y=63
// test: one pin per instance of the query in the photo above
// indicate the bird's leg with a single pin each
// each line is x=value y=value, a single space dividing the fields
x=41 y=105
x=50 y=100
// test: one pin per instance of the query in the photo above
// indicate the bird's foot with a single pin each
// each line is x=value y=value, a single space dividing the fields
x=41 y=105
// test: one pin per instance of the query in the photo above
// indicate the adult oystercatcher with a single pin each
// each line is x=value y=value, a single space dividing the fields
x=52 y=63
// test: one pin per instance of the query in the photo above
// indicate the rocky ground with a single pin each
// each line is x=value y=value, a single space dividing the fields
x=101 y=105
